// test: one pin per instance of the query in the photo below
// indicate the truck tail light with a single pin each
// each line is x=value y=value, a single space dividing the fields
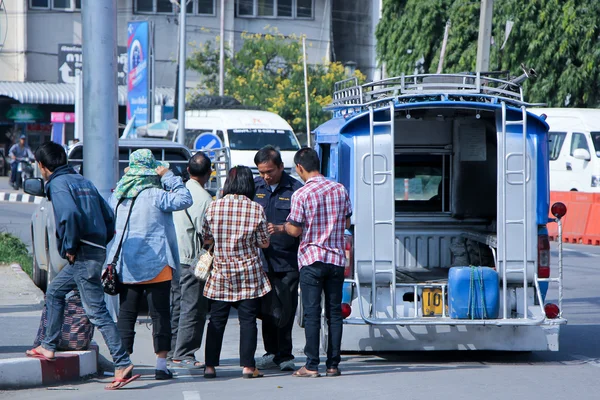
x=349 y=249
x=543 y=256
x=346 y=310
x=551 y=309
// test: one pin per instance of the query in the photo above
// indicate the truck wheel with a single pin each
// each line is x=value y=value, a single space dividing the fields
x=324 y=334
x=50 y=273
x=324 y=327
x=300 y=311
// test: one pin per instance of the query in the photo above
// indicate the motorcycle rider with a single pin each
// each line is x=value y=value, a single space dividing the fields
x=18 y=152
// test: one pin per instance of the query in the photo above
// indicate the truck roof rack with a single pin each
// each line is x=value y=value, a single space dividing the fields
x=483 y=87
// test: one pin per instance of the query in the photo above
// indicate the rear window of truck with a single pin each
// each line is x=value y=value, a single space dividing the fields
x=422 y=182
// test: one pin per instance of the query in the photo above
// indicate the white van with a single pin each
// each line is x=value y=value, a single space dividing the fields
x=574 y=148
x=243 y=131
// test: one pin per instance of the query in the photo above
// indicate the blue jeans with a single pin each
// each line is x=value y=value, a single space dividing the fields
x=316 y=279
x=84 y=275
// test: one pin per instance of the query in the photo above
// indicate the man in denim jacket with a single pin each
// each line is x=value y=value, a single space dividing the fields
x=84 y=225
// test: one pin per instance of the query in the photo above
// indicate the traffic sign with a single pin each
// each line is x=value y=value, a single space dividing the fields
x=207 y=141
x=70 y=63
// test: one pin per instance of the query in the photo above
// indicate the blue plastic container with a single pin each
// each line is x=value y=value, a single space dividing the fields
x=466 y=299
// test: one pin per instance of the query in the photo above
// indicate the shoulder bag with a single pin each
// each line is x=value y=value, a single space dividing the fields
x=110 y=278
x=204 y=259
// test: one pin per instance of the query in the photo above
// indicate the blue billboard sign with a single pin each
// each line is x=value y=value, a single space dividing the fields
x=138 y=52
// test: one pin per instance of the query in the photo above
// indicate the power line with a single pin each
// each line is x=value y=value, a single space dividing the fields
x=200 y=29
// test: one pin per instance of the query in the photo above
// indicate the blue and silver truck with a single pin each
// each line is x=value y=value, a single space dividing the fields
x=448 y=249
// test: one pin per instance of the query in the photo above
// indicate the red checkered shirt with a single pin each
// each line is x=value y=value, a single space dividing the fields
x=237 y=225
x=321 y=207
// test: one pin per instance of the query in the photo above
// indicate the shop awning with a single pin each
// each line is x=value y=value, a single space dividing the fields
x=64 y=93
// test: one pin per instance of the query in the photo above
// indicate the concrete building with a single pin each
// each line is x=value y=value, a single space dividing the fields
x=37 y=36
x=353 y=33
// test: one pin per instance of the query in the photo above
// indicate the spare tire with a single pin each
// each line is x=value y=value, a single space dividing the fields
x=209 y=102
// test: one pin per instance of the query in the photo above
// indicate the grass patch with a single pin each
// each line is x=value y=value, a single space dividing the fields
x=13 y=250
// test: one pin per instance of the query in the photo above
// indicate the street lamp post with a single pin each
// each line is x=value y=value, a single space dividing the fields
x=222 y=51
x=485 y=36
x=181 y=82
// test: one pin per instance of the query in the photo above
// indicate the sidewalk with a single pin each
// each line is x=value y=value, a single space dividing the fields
x=20 y=311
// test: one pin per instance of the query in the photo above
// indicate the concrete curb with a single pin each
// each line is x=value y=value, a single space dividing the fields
x=14 y=197
x=24 y=372
x=39 y=295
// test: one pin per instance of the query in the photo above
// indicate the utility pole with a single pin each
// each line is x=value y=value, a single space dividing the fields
x=181 y=81
x=443 y=51
x=485 y=36
x=222 y=52
x=306 y=98
x=100 y=116
x=78 y=105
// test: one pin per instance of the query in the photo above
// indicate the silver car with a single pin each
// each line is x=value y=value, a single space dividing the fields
x=47 y=262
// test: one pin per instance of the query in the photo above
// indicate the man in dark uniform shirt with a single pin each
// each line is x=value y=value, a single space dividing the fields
x=274 y=190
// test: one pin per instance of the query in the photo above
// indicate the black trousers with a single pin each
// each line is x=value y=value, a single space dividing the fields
x=175 y=310
x=278 y=341
x=130 y=300
x=219 y=314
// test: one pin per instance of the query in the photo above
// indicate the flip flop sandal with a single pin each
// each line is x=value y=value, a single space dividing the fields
x=33 y=353
x=254 y=374
x=122 y=382
x=210 y=375
x=304 y=373
x=187 y=363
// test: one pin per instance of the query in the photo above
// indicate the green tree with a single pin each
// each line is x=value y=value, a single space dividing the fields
x=267 y=72
x=560 y=39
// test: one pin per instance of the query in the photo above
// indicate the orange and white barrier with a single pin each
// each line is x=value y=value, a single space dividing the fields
x=581 y=224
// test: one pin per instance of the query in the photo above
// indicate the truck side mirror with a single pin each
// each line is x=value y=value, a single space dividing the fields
x=582 y=154
x=34 y=186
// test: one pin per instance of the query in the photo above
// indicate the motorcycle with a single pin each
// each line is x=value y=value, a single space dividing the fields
x=24 y=171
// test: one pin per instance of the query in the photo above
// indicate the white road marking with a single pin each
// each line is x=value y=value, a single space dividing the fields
x=594 y=362
x=585 y=253
x=191 y=395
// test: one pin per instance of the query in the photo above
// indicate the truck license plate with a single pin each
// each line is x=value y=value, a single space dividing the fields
x=432 y=302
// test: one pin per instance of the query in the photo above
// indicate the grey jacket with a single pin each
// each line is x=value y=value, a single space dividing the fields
x=188 y=234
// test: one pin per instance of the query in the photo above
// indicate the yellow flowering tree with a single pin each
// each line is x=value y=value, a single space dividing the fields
x=267 y=73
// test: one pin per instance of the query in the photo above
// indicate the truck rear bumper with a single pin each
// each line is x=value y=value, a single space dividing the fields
x=367 y=338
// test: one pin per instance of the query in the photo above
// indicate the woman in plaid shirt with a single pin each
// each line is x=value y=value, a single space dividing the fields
x=238 y=227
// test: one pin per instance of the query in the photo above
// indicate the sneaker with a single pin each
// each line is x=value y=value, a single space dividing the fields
x=287 y=365
x=266 y=362
x=161 y=375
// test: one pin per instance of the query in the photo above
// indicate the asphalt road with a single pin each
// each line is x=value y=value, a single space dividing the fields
x=15 y=217
x=569 y=373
